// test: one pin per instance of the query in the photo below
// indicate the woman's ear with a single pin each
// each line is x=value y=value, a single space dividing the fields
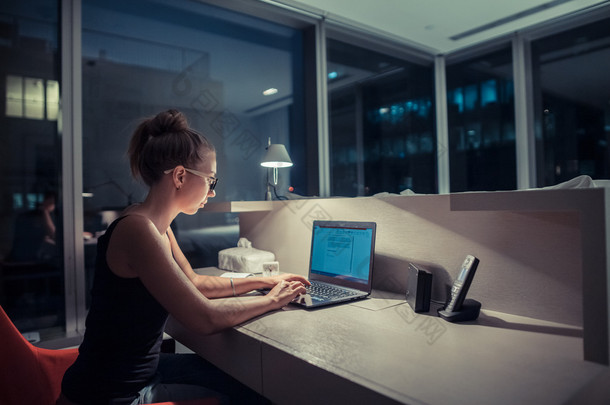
x=178 y=176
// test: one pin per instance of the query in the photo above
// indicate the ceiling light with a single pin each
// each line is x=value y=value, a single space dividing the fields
x=270 y=91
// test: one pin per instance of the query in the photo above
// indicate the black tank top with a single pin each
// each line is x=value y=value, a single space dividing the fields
x=124 y=331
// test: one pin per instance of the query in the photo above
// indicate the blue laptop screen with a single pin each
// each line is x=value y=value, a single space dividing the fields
x=342 y=252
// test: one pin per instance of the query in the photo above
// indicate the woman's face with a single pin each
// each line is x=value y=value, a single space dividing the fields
x=197 y=188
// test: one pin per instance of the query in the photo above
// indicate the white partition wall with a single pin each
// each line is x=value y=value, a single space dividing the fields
x=544 y=253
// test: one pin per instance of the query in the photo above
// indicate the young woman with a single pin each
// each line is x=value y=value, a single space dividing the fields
x=142 y=276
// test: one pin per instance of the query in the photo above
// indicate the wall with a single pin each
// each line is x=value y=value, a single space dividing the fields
x=530 y=261
x=544 y=253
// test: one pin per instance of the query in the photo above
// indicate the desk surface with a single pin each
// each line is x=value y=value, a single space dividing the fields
x=380 y=350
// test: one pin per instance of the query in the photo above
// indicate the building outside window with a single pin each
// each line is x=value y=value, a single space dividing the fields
x=572 y=94
x=381 y=114
x=481 y=120
x=31 y=249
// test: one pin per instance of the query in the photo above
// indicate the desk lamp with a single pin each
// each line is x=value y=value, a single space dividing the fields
x=275 y=158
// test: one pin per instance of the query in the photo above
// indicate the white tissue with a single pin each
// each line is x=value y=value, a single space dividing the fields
x=244 y=258
x=244 y=242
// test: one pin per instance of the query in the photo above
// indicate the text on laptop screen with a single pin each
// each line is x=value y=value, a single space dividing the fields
x=342 y=252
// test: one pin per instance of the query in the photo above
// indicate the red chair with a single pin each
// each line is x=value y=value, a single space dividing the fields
x=32 y=375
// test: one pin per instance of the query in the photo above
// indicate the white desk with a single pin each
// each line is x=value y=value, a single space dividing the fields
x=379 y=351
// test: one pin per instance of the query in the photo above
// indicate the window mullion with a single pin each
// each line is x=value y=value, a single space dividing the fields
x=70 y=129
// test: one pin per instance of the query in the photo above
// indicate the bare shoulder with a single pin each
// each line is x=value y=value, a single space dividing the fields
x=134 y=238
x=135 y=228
x=131 y=209
x=138 y=220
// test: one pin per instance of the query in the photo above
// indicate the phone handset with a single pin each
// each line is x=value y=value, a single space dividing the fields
x=462 y=284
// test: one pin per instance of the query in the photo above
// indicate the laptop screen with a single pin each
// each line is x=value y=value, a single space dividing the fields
x=342 y=252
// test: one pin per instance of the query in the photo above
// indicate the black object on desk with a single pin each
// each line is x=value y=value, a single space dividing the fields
x=469 y=311
x=419 y=287
x=458 y=308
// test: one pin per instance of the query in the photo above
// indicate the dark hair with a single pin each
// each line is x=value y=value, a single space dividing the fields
x=163 y=142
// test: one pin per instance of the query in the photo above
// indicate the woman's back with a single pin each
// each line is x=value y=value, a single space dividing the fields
x=124 y=331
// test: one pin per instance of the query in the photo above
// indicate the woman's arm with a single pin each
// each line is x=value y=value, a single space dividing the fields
x=218 y=287
x=138 y=249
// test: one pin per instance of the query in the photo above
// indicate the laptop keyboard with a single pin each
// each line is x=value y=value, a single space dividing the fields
x=328 y=291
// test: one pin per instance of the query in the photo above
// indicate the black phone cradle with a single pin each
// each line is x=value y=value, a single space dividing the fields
x=468 y=312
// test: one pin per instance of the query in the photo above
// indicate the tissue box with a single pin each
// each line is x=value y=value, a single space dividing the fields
x=244 y=259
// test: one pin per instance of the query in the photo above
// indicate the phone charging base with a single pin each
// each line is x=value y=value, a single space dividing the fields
x=468 y=312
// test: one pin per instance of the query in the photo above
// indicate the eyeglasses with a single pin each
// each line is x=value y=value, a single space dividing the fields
x=211 y=180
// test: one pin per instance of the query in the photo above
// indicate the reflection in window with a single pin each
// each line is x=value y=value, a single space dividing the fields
x=32 y=98
x=382 y=135
x=480 y=100
x=489 y=92
x=52 y=99
x=14 y=96
x=212 y=64
x=573 y=109
x=29 y=201
x=31 y=257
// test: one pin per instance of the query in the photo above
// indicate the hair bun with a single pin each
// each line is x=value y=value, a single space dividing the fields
x=170 y=121
x=162 y=142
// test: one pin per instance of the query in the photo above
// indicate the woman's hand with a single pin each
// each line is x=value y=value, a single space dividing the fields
x=288 y=277
x=285 y=291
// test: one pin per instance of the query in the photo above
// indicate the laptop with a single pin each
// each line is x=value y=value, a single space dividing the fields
x=340 y=263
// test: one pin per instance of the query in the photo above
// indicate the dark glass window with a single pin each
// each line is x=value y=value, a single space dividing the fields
x=481 y=118
x=31 y=253
x=573 y=103
x=382 y=136
x=141 y=57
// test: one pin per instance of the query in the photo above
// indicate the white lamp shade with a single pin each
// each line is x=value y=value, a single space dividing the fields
x=276 y=156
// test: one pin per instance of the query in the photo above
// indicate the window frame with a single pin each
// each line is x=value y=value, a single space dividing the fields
x=317 y=28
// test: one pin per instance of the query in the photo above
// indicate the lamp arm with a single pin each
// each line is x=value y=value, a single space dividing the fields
x=115 y=184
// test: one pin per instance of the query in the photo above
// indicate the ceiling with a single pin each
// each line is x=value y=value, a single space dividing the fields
x=442 y=26
x=446 y=26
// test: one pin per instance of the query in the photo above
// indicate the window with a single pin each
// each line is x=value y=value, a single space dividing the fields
x=382 y=136
x=141 y=57
x=31 y=258
x=572 y=103
x=481 y=119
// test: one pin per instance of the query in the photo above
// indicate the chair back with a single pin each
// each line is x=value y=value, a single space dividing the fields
x=32 y=375
x=29 y=374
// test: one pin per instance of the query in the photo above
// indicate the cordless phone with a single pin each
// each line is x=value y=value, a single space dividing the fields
x=462 y=284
